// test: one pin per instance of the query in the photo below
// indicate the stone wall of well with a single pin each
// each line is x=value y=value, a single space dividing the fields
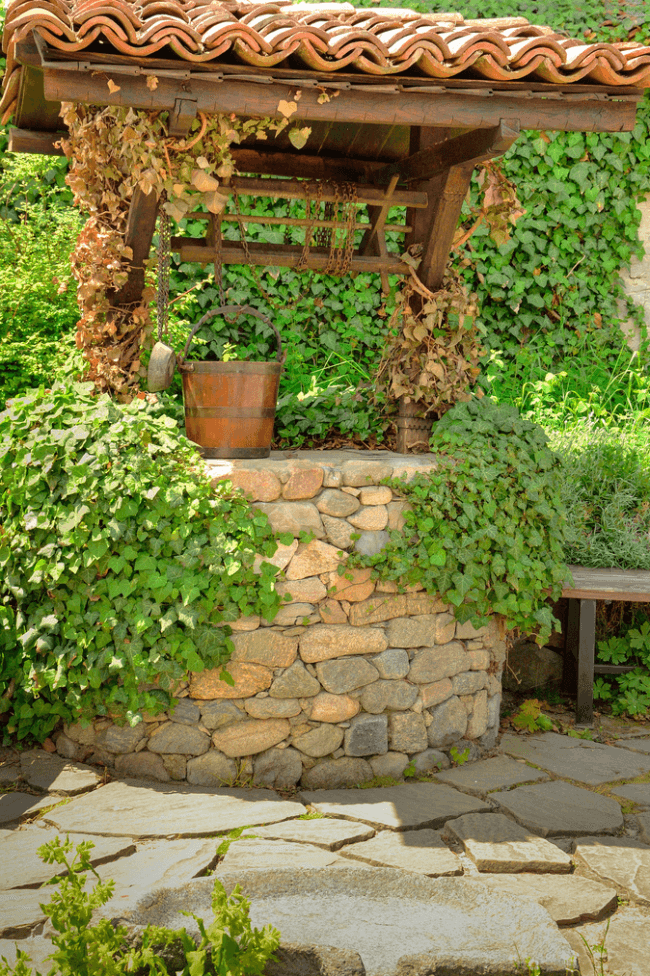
x=351 y=680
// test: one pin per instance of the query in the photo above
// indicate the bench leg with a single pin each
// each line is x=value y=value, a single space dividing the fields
x=581 y=637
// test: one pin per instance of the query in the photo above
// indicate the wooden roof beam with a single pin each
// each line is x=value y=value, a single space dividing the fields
x=453 y=108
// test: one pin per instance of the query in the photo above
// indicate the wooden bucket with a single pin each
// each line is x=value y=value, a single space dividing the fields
x=230 y=407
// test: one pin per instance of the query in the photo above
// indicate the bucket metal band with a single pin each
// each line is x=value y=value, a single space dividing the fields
x=237 y=413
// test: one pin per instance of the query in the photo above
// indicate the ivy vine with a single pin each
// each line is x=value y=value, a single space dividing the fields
x=485 y=530
x=119 y=563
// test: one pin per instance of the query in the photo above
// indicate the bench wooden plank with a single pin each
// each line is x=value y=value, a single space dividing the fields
x=631 y=585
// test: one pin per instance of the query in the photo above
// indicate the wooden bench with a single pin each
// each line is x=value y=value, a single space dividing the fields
x=589 y=585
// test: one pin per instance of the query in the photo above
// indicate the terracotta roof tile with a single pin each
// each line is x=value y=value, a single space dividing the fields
x=326 y=37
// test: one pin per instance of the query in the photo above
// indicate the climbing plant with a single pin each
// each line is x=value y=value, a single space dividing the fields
x=115 y=151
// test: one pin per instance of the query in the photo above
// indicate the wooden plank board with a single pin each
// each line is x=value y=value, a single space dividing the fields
x=281 y=256
x=632 y=585
x=350 y=106
x=301 y=190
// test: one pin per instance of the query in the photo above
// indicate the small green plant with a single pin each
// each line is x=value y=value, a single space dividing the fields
x=530 y=717
x=312 y=815
x=627 y=693
x=233 y=835
x=581 y=734
x=229 y=945
x=459 y=758
x=597 y=953
x=409 y=770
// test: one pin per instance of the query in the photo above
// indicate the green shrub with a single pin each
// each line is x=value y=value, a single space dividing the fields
x=118 y=560
x=606 y=491
x=228 y=946
x=486 y=529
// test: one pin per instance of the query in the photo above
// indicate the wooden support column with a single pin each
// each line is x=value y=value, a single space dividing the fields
x=139 y=234
x=411 y=430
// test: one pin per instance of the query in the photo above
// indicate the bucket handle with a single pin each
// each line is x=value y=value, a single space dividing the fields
x=233 y=310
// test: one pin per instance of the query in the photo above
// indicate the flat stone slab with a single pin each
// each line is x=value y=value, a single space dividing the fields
x=16 y=806
x=562 y=809
x=490 y=774
x=37 y=947
x=569 y=899
x=9 y=772
x=52 y=774
x=579 y=759
x=496 y=844
x=250 y=853
x=396 y=807
x=634 y=744
x=643 y=820
x=621 y=860
x=21 y=911
x=156 y=865
x=637 y=792
x=418 y=851
x=626 y=943
x=398 y=923
x=136 y=809
x=324 y=832
x=21 y=867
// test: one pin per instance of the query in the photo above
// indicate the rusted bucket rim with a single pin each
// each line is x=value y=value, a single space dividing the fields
x=236 y=310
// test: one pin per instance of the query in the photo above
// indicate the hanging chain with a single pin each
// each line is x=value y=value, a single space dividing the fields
x=340 y=251
x=218 y=264
x=162 y=304
x=342 y=239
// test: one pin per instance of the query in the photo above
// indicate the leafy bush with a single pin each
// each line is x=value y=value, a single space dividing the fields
x=229 y=945
x=606 y=491
x=118 y=560
x=486 y=529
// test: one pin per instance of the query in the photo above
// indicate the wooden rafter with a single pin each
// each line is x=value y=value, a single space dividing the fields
x=471 y=147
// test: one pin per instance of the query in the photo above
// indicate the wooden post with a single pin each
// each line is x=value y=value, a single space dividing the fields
x=139 y=234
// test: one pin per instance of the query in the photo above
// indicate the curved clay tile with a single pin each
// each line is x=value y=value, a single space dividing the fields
x=28 y=20
x=487 y=67
x=115 y=25
x=54 y=28
x=71 y=46
x=164 y=7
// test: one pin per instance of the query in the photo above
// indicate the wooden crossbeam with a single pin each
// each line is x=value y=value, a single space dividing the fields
x=266 y=220
x=471 y=147
x=281 y=256
x=302 y=190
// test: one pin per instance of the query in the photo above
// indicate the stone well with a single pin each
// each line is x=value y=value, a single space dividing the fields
x=351 y=680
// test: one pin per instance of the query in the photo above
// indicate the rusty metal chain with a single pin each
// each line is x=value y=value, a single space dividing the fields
x=340 y=252
x=342 y=239
x=162 y=300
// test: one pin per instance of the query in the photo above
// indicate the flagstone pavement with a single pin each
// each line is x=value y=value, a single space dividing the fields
x=564 y=822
